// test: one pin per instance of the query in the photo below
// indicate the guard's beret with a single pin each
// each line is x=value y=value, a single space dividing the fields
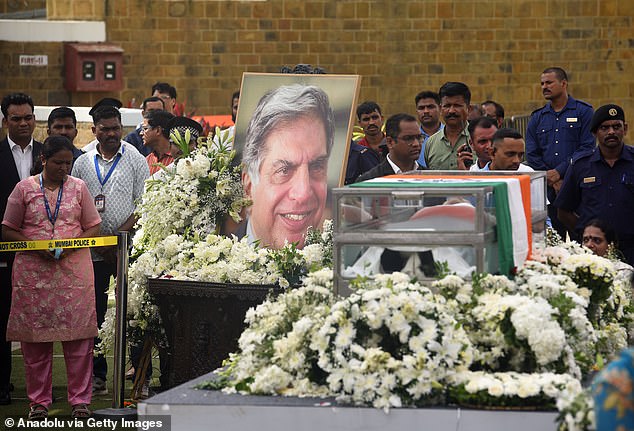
x=108 y=101
x=605 y=113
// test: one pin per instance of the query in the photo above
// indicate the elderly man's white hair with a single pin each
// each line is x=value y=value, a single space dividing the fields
x=278 y=108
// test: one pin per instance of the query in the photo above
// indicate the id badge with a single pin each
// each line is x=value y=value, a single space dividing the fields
x=100 y=203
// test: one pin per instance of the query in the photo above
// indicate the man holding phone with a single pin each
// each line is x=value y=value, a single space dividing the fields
x=442 y=147
x=481 y=131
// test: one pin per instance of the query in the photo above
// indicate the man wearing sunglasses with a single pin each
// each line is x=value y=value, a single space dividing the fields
x=404 y=141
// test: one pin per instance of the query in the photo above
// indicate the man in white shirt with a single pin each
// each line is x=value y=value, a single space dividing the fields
x=481 y=131
x=18 y=154
x=508 y=152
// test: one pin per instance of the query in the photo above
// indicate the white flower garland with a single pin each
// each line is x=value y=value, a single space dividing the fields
x=513 y=384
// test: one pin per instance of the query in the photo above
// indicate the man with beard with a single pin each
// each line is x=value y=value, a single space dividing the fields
x=106 y=101
x=115 y=173
x=556 y=134
x=441 y=151
x=371 y=121
x=428 y=111
x=403 y=142
x=601 y=184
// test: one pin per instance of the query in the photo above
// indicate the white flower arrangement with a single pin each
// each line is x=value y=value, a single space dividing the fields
x=537 y=323
x=492 y=341
x=215 y=258
x=389 y=344
x=274 y=349
x=191 y=199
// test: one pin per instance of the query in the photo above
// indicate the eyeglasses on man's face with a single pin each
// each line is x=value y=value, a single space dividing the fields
x=410 y=139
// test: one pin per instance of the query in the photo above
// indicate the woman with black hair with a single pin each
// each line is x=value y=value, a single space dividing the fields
x=53 y=295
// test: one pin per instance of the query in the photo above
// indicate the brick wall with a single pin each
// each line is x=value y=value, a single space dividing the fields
x=498 y=47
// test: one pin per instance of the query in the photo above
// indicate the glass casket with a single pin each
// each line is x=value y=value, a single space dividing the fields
x=427 y=222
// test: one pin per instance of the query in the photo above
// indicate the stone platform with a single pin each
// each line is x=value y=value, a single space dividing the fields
x=192 y=409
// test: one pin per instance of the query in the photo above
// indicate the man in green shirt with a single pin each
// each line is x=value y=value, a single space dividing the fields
x=441 y=151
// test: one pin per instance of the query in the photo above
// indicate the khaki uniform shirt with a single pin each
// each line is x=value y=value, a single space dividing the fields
x=439 y=154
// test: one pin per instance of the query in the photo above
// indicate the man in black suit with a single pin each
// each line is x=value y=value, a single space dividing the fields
x=404 y=139
x=19 y=153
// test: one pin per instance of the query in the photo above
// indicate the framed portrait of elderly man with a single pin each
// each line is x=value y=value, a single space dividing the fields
x=292 y=136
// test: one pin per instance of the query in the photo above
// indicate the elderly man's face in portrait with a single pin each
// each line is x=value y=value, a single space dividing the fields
x=290 y=195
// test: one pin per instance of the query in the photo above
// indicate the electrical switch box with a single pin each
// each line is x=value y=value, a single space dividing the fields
x=93 y=67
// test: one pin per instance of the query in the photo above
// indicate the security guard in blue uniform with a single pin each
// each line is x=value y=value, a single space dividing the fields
x=557 y=133
x=601 y=184
x=360 y=160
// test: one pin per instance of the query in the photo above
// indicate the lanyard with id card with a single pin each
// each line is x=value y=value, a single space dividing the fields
x=52 y=217
x=100 y=199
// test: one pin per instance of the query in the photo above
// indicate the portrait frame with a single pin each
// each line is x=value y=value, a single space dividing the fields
x=342 y=92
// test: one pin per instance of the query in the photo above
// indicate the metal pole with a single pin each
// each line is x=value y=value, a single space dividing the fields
x=121 y=311
x=118 y=411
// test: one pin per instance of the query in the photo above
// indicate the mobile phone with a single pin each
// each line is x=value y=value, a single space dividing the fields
x=468 y=149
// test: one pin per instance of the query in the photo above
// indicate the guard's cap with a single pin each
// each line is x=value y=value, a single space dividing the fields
x=184 y=123
x=605 y=113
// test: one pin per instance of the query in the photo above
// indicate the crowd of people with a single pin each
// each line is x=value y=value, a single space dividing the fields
x=588 y=166
x=56 y=189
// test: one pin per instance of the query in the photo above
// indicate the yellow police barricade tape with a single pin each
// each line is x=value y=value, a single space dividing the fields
x=45 y=244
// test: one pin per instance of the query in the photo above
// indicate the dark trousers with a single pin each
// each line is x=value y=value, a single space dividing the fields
x=135 y=359
x=103 y=271
x=5 y=308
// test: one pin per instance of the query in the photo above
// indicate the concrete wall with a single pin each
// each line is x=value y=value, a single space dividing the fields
x=498 y=47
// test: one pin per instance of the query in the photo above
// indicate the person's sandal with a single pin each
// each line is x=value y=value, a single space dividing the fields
x=38 y=412
x=80 y=411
